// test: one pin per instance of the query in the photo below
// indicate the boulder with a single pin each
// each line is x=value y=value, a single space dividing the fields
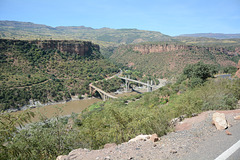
x=219 y=120
x=154 y=138
x=237 y=117
x=62 y=157
x=140 y=138
x=174 y=121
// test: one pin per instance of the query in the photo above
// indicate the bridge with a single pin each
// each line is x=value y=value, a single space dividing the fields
x=128 y=80
x=104 y=95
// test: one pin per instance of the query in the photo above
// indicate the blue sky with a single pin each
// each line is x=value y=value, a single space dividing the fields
x=171 y=17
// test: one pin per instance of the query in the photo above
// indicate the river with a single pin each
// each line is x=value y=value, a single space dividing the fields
x=76 y=106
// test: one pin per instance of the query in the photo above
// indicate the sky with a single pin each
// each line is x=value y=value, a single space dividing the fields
x=171 y=17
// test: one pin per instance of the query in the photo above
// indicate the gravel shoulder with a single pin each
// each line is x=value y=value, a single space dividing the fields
x=193 y=138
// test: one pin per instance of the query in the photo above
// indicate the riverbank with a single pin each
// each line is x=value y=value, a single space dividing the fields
x=65 y=108
x=61 y=109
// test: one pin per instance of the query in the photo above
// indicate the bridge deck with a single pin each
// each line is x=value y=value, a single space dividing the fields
x=132 y=80
x=99 y=90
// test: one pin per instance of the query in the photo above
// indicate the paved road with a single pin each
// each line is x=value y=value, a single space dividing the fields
x=215 y=145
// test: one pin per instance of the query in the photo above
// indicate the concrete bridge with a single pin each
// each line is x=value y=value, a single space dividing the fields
x=128 y=80
x=104 y=95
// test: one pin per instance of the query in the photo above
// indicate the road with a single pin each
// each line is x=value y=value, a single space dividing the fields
x=214 y=146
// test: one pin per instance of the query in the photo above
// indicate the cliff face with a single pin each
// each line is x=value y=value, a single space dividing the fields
x=146 y=49
x=158 y=48
x=169 y=59
x=82 y=48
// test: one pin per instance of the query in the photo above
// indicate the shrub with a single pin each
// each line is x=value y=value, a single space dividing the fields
x=198 y=73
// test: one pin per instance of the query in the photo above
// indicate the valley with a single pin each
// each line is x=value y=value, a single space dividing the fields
x=167 y=59
x=48 y=71
x=65 y=66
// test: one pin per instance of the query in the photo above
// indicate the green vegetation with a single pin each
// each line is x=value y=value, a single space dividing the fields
x=137 y=75
x=107 y=38
x=168 y=59
x=229 y=69
x=109 y=85
x=117 y=121
x=28 y=72
x=208 y=41
x=8 y=131
x=198 y=73
x=103 y=36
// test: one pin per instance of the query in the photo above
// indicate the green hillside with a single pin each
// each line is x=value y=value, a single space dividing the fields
x=167 y=59
x=115 y=120
x=28 y=72
x=31 y=31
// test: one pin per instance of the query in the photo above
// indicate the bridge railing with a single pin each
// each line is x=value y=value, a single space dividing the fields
x=132 y=80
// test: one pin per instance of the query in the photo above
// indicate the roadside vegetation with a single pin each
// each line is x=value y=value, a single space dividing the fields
x=118 y=120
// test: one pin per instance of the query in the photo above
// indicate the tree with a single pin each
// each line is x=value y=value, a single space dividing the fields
x=199 y=72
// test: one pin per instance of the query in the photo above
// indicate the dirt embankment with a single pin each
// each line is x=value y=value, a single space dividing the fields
x=187 y=136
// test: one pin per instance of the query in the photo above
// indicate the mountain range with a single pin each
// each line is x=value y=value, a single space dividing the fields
x=212 y=35
x=31 y=31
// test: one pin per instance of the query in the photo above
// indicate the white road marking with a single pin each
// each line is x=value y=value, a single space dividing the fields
x=229 y=151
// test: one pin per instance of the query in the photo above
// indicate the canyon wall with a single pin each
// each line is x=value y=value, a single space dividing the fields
x=158 y=48
x=82 y=48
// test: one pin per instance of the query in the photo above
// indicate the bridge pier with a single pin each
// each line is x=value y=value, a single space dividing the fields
x=149 y=88
x=90 y=89
x=127 y=84
x=148 y=85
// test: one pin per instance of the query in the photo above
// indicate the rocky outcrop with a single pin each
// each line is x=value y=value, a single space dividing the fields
x=152 y=48
x=140 y=138
x=238 y=70
x=159 y=48
x=82 y=48
x=154 y=138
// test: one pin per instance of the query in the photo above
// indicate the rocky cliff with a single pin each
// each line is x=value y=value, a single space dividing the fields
x=169 y=58
x=82 y=48
x=158 y=48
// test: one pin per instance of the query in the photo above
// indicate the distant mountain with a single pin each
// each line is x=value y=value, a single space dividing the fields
x=212 y=35
x=31 y=31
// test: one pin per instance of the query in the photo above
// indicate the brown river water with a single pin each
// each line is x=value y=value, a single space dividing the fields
x=67 y=108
